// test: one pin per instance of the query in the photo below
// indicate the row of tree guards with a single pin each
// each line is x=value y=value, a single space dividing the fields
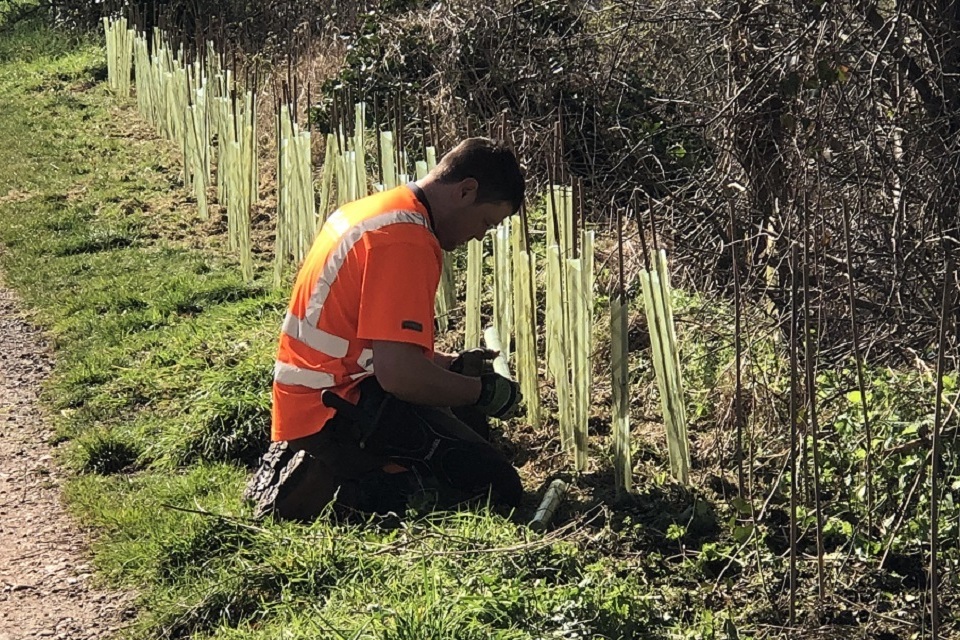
x=200 y=107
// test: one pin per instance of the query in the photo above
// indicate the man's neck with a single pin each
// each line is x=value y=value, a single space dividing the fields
x=421 y=195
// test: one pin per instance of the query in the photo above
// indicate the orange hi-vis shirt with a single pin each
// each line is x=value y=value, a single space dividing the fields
x=371 y=274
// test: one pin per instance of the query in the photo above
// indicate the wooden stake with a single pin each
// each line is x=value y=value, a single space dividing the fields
x=861 y=378
x=794 y=416
x=738 y=349
x=946 y=308
x=810 y=344
x=621 y=288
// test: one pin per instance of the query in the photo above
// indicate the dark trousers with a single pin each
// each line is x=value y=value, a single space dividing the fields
x=448 y=462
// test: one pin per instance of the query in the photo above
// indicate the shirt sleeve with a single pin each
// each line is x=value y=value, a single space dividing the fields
x=397 y=294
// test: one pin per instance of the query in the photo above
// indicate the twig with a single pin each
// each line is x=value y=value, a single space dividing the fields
x=241 y=522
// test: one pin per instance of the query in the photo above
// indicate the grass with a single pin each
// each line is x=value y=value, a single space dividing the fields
x=161 y=394
x=161 y=387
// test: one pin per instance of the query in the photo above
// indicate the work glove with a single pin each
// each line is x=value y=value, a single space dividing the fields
x=474 y=362
x=499 y=397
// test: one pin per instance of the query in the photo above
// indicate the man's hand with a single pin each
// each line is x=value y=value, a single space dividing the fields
x=499 y=397
x=474 y=362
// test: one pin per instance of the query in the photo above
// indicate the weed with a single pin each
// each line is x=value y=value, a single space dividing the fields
x=104 y=452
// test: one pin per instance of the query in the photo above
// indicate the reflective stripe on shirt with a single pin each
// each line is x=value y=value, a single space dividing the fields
x=288 y=374
x=305 y=330
x=338 y=255
x=316 y=339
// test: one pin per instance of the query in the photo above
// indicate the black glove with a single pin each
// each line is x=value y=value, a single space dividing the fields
x=499 y=397
x=474 y=362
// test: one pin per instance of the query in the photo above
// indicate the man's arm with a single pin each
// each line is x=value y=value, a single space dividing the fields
x=443 y=359
x=403 y=370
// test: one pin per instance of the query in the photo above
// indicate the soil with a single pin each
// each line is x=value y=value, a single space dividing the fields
x=46 y=581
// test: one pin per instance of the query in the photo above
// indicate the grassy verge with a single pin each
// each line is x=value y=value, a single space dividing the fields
x=162 y=390
x=164 y=364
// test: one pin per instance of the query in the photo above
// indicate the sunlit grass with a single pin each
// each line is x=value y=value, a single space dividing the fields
x=161 y=390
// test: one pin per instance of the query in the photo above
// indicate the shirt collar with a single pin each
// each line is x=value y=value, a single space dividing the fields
x=422 y=197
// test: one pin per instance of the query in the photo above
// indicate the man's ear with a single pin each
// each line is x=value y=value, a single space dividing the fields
x=467 y=191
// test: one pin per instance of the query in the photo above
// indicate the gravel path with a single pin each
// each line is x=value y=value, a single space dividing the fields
x=45 y=572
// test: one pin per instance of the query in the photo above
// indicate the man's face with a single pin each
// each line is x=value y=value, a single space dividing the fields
x=472 y=222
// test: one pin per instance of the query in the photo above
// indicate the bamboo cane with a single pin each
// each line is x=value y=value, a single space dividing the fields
x=622 y=461
x=471 y=337
x=525 y=309
x=502 y=285
x=656 y=297
x=359 y=150
x=574 y=347
x=387 y=160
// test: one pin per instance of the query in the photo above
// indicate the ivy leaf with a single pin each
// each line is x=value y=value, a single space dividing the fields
x=676 y=531
x=742 y=534
x=949 y=383
x=741 y=505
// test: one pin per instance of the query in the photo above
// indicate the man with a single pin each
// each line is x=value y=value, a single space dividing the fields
x=360 y=396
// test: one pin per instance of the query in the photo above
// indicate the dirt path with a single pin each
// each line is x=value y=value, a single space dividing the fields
x=45 y=571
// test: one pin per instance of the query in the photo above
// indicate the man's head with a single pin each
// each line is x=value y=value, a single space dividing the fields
x=473 y=188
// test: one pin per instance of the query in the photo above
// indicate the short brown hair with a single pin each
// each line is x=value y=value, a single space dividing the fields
x=491 y=163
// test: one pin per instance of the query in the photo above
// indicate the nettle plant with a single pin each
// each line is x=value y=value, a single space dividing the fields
x=889 y=507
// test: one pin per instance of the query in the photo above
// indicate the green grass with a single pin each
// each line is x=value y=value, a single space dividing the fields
x=161 y=390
